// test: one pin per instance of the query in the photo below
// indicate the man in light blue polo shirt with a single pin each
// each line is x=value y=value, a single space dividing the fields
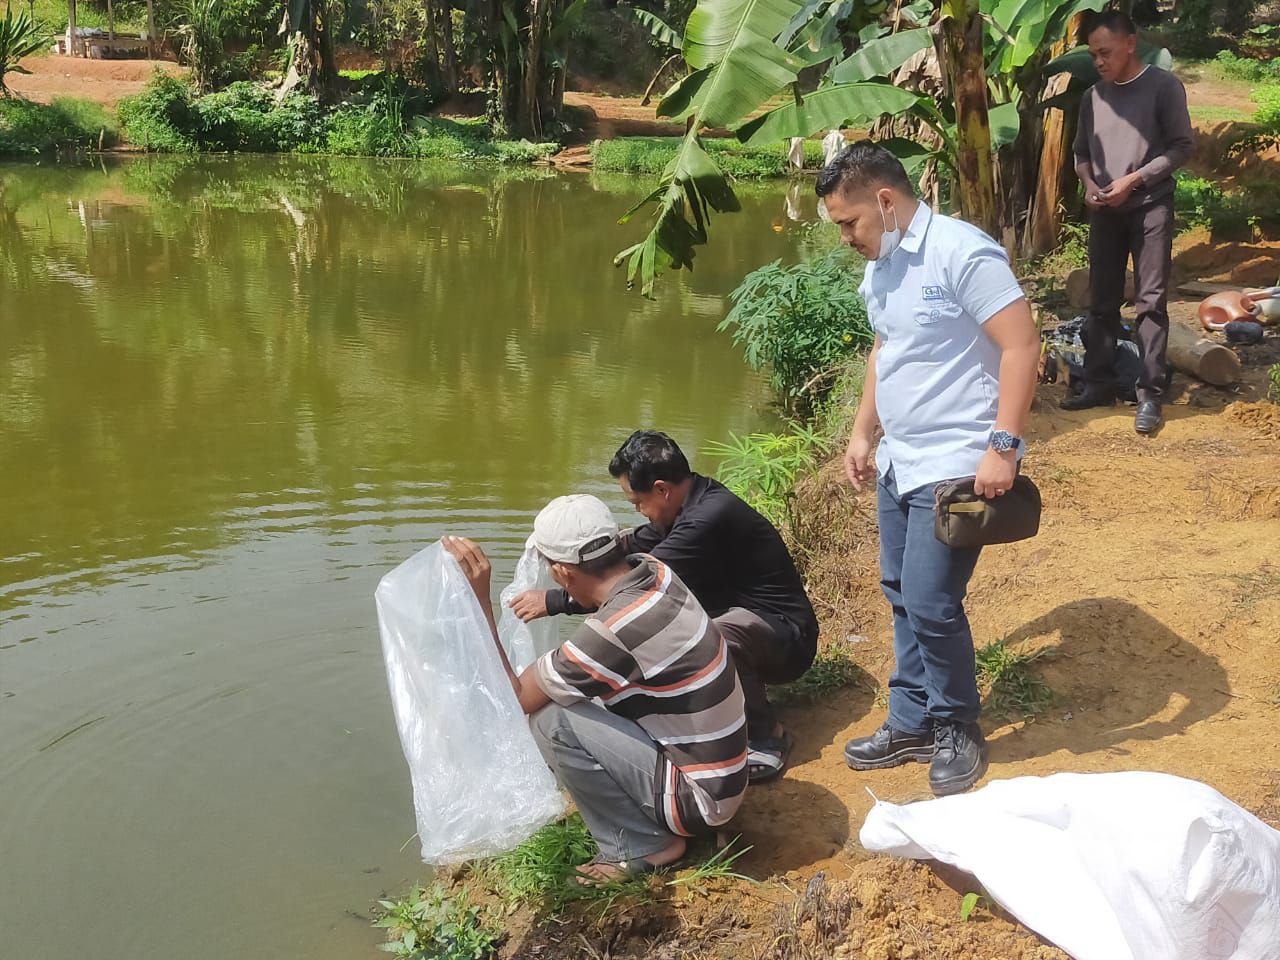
x=950 y=380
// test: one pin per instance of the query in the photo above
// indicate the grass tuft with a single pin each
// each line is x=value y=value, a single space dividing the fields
x=833 y=669
x=540 y=874
x=539 y=867
x=650 y=155
x=1013 y=688
x=67 y=123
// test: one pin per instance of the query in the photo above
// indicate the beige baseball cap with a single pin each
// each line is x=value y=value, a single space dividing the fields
x=574 y=529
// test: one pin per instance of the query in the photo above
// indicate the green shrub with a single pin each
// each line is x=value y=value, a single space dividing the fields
x=650 y=155
x=245 y=116
x=161 y=117
x=799 y=321
x=64 y=124
x=1267 y=98
x=428 y=925
x=1273 y=383
x=1229 y=65
x=1195 y=198
x=762 y=468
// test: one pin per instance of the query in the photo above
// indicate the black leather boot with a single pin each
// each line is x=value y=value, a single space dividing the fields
x=888 y=747
x=1149 y=418
x=960 y=758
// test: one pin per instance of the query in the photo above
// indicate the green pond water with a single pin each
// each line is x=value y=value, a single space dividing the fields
x=233 y=393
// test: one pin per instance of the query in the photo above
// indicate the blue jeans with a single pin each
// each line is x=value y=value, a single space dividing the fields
x=925 y=581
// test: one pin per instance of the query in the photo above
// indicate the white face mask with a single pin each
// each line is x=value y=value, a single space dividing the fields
x=890 y=239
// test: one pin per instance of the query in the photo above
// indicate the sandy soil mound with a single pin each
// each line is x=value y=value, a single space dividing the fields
x=103 y=81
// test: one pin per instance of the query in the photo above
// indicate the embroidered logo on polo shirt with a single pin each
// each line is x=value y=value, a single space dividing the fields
x=932 y=293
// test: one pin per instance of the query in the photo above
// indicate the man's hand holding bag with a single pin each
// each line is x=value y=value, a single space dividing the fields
x=962 y=518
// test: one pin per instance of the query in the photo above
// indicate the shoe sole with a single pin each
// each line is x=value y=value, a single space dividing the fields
x=906 y=755
x=959 y=784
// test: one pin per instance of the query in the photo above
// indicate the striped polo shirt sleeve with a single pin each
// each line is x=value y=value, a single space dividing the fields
x=585 y=667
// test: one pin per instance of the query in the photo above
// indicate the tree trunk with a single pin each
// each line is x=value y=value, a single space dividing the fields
x=434 y=71
x=529 y=119
x=1055 y=175
x=450 y=54
x=963 y=28
x=151 y=29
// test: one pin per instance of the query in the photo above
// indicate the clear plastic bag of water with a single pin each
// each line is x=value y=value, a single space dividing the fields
x=480 y=785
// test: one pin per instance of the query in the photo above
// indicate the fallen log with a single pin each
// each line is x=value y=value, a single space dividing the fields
x=1203 y=359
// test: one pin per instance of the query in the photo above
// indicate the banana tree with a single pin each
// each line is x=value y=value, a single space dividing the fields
x=528 y=60
x=737 y=65
x=307 y=27
x=742 y=54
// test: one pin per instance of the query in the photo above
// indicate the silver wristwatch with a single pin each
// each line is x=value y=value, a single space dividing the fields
x=1002 y=441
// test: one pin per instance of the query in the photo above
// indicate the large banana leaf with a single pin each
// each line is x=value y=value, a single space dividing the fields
x=827 y=107
x=881 y=57
x=1020 y=28
x=1005 y=123
x=736 y=39
x=730 y=44
x=656 y=26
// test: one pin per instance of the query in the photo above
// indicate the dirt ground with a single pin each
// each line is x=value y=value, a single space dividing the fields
x=103 y=81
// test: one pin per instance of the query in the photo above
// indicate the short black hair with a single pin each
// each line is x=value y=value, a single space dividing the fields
x=863 y=164
x=1117 y=21
x=648 y=456
x=601 y=565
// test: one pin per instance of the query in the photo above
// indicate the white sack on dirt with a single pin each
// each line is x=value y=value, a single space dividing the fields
x=480 y=785
x=1108 y=866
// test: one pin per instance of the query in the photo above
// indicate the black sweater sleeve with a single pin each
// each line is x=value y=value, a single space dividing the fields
x=559 y=601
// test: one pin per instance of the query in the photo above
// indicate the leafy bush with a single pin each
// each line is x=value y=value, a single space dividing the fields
x=428 y=925
x=1195 y=198
x=245 y=116
x=799 y=321
x=1235 y=67
x=161 y=117
x=1267 y=98
x=64 y=124
x=762 y=468
x=650 y=155
x=1273 y=383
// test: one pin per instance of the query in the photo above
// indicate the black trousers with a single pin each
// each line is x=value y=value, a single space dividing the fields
x=764 y=650
x=1115 y=236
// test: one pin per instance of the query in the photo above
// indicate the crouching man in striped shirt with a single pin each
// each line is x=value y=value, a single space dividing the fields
x=640 y=714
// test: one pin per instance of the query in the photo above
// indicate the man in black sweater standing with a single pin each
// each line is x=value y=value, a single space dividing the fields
x=734 y=562
x=1134 y=132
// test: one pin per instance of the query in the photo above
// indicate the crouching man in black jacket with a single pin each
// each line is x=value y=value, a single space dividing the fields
x=735 y=563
